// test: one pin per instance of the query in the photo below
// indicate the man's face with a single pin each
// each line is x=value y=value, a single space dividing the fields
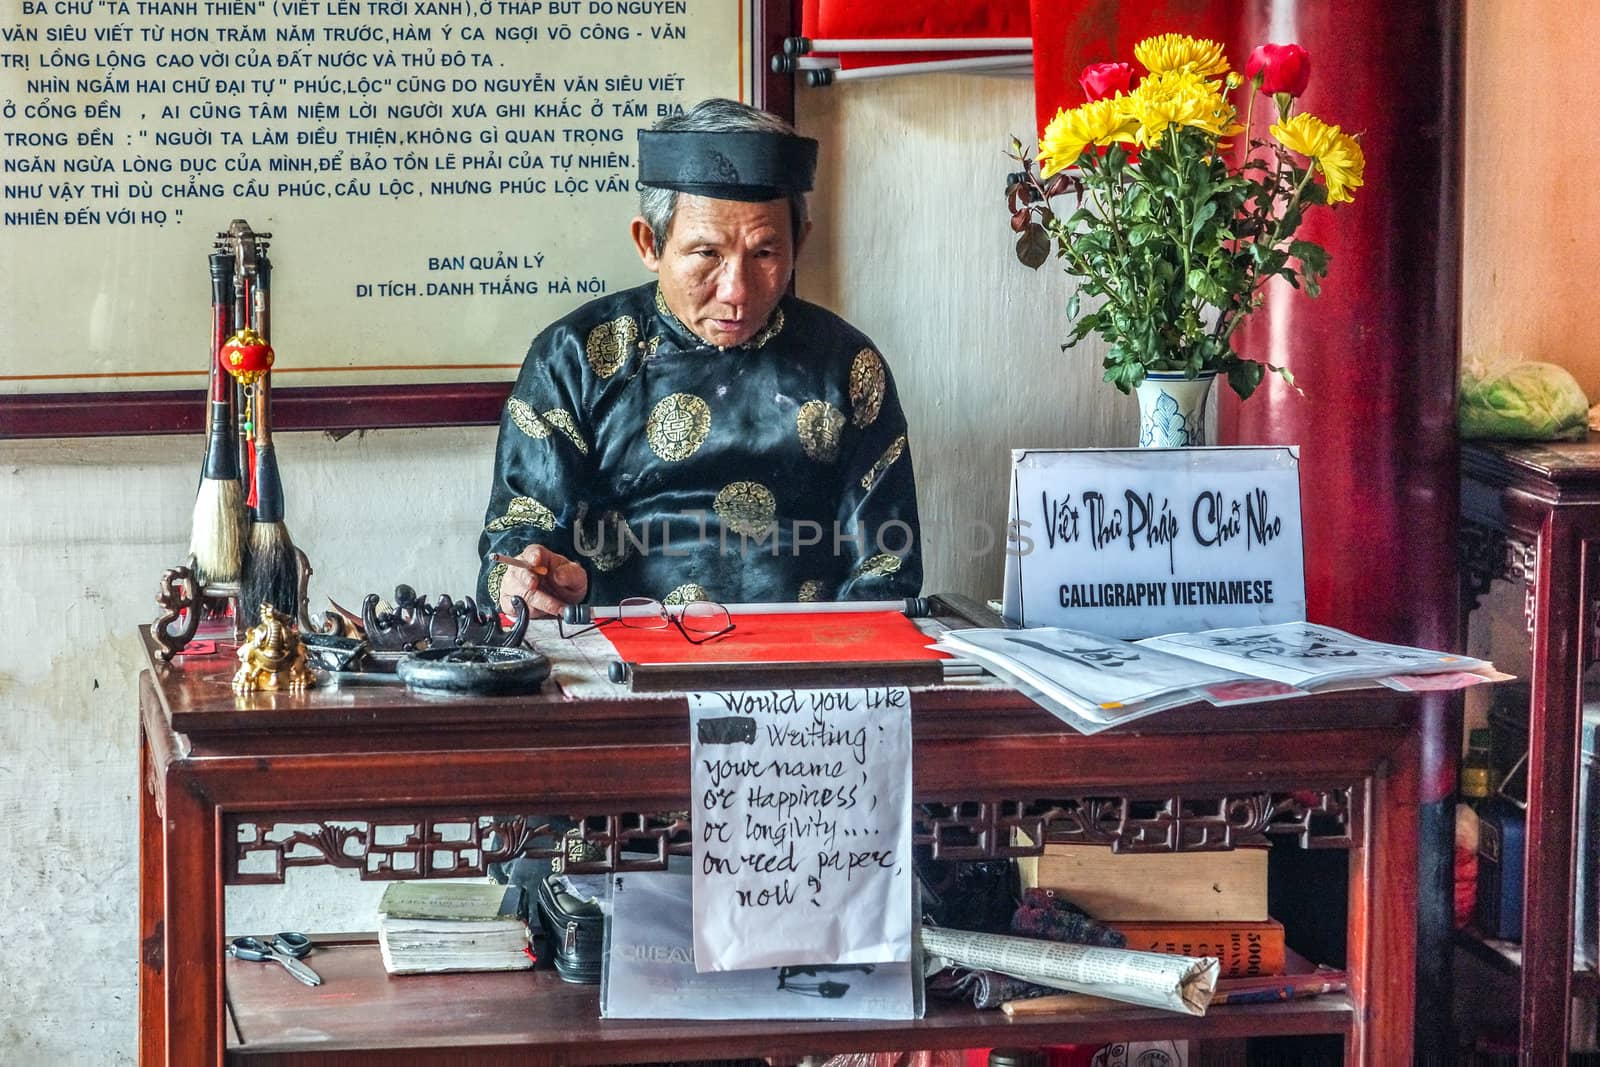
x=724 y=266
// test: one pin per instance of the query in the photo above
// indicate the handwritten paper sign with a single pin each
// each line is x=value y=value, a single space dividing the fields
x=802 y=827
x=1137 y=542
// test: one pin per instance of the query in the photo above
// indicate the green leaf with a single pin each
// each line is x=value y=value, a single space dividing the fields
x=1033 y=246
x=1072 y=306
x=1244 y=376
x=1205 y=286
x=1313 y=257
x=1142 y=232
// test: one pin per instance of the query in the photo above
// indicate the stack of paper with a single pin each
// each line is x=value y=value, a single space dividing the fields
x=428 y=928
x=1093 y=682
x=1090 y=681
x=1307 y=656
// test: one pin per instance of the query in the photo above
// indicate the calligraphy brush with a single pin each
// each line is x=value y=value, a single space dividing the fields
x=271 y=573
x=219 y=503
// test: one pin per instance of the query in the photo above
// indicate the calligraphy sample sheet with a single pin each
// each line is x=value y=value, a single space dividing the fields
x=802 y=827
x=1305 y=655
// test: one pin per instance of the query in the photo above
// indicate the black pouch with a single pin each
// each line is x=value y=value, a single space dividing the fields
x=576 y=931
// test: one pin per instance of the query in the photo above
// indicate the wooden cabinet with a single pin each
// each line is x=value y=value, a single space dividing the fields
x=1531 y=513
x=391 y=785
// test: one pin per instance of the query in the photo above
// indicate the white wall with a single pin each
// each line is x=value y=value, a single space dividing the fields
x=912 y=245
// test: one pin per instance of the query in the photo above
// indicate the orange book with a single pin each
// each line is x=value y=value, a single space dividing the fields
x=1247 y=950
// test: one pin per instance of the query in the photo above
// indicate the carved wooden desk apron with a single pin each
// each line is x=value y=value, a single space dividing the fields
x=393 y=785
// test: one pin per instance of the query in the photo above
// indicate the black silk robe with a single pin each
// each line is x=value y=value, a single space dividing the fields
x=670 y=468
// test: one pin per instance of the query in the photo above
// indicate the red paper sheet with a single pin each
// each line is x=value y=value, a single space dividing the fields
x=1068 y=35
x=854 y=637
x=851 y=19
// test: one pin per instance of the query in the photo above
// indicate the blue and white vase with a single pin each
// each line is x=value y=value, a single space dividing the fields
x=1172 y=409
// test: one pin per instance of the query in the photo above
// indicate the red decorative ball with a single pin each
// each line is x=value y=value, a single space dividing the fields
x=247 y=356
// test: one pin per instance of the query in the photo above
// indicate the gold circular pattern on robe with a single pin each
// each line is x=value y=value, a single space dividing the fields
x=678 y=426
x=884 y=563
x=747 y=508
x=687 y=593
x=610 y=344
x=867 y=378
x=810 y=591
x=609 y=549
x=540 y=426
x=819 y=424
x=497 y=574
x=524 y=511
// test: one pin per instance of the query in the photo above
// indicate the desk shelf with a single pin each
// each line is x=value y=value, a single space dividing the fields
x=1506 y=957
x=361 y=1015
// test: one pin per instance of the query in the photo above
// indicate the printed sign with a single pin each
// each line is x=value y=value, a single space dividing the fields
x=1138 y=542
x=802 y=827
x=442 y=178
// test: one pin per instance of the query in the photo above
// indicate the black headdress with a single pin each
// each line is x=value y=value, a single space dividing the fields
x=751 y=166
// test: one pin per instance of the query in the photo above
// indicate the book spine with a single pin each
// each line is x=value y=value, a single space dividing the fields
x=1246 y=950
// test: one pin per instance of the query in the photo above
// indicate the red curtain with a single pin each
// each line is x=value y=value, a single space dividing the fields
x=872 y=18
x=1068 y=35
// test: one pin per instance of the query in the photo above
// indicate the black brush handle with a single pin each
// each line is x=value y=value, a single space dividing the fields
x=269 y=487
x=261 y=310
x=222 y=458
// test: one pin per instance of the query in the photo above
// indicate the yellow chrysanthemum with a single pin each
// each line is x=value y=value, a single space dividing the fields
x=1099 y=122
x=1335 y=155
x=1179 y=98
x=1174 y=52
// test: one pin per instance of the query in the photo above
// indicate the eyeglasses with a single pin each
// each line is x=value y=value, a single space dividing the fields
x=698 y=621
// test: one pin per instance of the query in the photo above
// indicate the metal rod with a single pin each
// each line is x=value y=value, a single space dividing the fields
x=782 y=64
x=1017 y=61
x=799 y=46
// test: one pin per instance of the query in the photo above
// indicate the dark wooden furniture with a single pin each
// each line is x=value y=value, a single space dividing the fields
x=1532 y=513
x=392 y=785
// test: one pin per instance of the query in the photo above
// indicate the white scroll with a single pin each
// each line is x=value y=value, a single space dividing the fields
x=1152 y=979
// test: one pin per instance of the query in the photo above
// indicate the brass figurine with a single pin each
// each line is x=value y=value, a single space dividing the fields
x=271 y=657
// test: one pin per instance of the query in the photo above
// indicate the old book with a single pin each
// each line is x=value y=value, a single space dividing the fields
x=1167 y=886
x=431 y=927
x=1246 y=949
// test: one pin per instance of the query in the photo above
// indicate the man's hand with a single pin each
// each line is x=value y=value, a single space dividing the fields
x=548 y=583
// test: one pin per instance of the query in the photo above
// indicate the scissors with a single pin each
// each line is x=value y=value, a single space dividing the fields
x=286 y=948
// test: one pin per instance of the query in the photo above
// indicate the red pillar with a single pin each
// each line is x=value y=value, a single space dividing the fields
x=1377 y=357
x=1376 y=353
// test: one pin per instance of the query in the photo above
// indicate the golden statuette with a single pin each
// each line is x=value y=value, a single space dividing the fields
x=271 y=657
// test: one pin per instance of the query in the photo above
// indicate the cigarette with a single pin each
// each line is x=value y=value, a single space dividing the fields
x=538 y=570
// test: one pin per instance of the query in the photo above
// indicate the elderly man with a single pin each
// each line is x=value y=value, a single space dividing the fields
x=705 y=436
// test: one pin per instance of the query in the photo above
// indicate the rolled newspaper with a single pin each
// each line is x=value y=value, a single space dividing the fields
x=1152 y=979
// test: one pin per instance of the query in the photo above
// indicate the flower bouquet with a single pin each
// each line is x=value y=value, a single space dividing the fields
x=1173 y=234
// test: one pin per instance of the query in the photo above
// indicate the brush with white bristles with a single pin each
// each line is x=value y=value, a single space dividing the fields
x=214 y=540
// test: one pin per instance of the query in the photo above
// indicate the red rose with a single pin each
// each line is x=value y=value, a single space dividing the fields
x=1100 y=80
x=1279 y=68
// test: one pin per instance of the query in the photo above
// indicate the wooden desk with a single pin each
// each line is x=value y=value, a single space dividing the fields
x=221 y=771
x=1531 y=513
